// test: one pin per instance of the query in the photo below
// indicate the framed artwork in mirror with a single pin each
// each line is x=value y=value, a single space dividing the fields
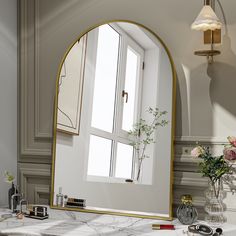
x=116 y=90
x=70 y=88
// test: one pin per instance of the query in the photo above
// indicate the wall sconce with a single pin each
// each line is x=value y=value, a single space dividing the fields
x=208 y=22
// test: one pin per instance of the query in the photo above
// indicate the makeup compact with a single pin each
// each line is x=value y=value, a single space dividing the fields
x=204 y=230
x=38 y=212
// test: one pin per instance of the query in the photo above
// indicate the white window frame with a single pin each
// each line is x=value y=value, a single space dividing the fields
x=118 y=135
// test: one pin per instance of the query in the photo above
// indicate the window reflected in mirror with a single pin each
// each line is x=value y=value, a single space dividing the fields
x=106 y=44
x=117 y=87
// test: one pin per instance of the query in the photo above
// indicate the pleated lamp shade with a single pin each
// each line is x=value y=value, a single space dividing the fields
x=206 y=20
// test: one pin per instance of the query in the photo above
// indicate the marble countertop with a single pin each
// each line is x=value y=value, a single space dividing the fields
x=69 y=223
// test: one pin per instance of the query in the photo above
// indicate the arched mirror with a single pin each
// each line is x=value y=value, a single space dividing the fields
x=114 y=123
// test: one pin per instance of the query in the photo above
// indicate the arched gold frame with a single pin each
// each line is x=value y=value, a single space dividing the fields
x=174 y=77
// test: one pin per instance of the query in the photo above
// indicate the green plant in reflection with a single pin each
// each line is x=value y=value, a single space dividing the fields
x=8 y=177
x=143 y=134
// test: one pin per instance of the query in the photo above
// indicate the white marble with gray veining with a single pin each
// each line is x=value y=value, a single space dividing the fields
x=69 y=223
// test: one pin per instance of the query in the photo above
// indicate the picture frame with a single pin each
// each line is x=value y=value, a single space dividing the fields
x=71 y=88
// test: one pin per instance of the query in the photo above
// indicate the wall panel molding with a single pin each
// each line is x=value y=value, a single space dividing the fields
x=34 y=179
x=38 y=133
x=35 y=145
x=41 y=193
x=201 y=139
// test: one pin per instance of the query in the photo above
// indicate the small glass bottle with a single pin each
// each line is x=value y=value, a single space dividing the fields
x=59 y=198
x=186 y=212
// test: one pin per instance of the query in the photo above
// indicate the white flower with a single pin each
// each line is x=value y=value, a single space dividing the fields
x=197 y=151
x=9 y=178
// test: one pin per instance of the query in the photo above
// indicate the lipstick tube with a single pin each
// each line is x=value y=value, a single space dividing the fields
x=163 y=227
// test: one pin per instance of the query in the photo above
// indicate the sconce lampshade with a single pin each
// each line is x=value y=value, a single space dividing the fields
x=206 y=20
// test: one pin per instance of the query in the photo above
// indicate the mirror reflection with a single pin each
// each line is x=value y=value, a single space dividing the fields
x=113 y=143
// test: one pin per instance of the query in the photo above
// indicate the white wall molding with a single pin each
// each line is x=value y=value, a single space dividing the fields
x=39 y=191
x=38 y=133
x=38 y=172
x=33 y=142
x=190 y=179
x=35 y=152
x=200 y=139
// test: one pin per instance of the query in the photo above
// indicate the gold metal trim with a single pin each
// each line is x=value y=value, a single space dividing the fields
x=174 y=76
x=208 y=53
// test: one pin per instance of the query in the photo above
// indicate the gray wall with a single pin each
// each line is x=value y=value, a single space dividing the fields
x=205 y=93
x=8 y=92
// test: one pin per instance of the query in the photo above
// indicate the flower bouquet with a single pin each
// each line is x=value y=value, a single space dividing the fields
x=9 y=178
x=230 y=150
x=214 y=168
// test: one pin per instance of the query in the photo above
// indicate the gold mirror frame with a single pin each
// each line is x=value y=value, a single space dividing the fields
x=170 y=217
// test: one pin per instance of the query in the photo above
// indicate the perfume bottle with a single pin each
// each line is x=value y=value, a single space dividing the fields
x=59 y=198
x=186 y=212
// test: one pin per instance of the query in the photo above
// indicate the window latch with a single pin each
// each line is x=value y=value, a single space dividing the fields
x=126 y=95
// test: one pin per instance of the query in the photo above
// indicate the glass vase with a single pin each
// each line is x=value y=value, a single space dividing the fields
x=214 y=205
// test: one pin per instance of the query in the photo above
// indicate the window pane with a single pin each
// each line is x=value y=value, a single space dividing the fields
x=105 y=78
x=124 y=161
x=99 y=156
x=130 y=88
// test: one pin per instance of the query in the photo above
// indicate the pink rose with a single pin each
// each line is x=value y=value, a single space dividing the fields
x=197 y=151
x=232 y=140
x=230 y=154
